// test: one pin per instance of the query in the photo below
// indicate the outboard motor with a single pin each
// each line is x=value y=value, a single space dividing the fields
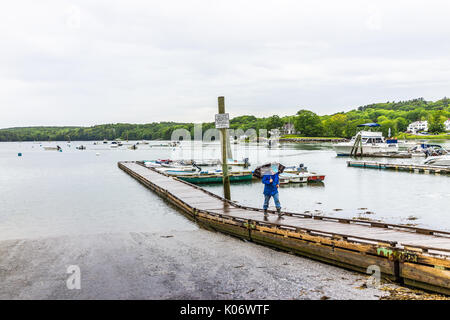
x=246 y=163
x=196 y=166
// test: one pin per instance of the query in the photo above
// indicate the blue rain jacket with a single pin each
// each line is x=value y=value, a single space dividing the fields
x=270 y=188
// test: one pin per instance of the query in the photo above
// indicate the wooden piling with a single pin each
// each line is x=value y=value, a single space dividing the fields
x=224 y=139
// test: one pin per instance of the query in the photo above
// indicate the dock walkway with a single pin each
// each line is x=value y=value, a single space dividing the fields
x=416 y=256
x=416 y=168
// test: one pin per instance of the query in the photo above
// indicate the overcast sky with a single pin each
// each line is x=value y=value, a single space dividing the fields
x=91 y=62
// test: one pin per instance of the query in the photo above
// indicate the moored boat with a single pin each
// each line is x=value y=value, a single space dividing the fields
x=286 y=177
x=239 y=163
x=51 y=148
x=367 y=143
x=427 y=150
x=215 y=178
x=371 y=142
x=302 y=172
x=441 y=161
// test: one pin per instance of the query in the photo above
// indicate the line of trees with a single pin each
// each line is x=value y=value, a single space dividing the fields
x=390 y=115
x=393 y=115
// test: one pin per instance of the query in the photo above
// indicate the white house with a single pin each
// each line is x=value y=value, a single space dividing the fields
x=288 y=128
x=417 y=126
x=447 y=125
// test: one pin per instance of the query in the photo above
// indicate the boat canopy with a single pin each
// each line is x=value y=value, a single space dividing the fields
x=372 y=124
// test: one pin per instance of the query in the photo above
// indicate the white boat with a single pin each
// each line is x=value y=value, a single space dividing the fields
x=372 y=142
x=238 y=163
x=427 y=150
x=171 y=144
x=441 y=161
x=177 y=169
x=283 y=179
x=303 y=174
x=292 y=178
x=51 y=148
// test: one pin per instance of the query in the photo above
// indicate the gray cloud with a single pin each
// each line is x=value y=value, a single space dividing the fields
x=86 y=62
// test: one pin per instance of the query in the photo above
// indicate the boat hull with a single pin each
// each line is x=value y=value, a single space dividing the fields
x=345 y=149
x=215 y=178
x=440 y=161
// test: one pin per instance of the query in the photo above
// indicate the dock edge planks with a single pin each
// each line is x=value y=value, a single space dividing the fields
x=418 y=266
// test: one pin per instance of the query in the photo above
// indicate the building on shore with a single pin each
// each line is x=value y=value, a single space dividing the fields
x=447 y=125
x=288 y=128
x=417 y=126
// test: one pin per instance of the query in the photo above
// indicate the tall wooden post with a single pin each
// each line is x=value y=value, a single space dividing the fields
x=223 y=141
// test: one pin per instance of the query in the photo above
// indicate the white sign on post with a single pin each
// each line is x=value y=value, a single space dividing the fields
x=222 y=121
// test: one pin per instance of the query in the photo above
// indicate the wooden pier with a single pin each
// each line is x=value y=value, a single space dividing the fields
x=416 y=168
x=414 y=256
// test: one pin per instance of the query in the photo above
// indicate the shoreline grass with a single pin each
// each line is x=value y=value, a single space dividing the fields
x=443 y=136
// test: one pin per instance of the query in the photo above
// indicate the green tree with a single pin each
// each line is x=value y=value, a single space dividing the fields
x=389 y=124
x=436 y=123
x=335 y=125
x=273 y=122
x=308 y=124
x=402 y=124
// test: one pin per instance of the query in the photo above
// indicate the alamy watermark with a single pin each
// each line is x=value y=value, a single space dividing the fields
x=374 y=280
x=241 y=143
x=74 y=280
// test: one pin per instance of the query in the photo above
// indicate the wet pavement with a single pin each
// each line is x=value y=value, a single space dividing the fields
x=177 y=265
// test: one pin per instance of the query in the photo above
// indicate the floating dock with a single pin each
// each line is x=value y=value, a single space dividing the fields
x=416 y=168
x=414 y=256
x=392 y=155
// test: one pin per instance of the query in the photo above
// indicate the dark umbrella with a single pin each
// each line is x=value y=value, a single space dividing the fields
x=266 y=169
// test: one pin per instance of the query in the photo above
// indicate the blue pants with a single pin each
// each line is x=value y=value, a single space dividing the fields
x=276 y=199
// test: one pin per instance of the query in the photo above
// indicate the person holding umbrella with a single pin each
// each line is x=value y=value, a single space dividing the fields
x=271 y=181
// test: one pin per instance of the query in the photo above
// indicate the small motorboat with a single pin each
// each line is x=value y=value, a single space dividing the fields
x=428 y=150
x=200 y=163
x=304 y=174
x=291 y=178
x=440 y=161
x=51 y=148
x=214 y=177
x=176 y=169
x=239 y=163
x=81 y=147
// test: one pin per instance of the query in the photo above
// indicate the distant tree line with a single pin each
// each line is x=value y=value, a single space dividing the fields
x=393 y=115
x=390 y=115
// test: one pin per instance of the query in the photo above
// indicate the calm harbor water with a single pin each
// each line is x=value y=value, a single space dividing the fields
x=49 y=193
